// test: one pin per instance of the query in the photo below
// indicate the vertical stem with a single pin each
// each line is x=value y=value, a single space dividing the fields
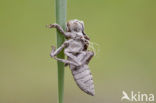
x=60 y=19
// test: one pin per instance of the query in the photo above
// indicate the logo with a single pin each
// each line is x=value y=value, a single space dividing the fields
x=137 y=96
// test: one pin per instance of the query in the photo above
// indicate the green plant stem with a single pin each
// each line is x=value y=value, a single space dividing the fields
x=60 y=19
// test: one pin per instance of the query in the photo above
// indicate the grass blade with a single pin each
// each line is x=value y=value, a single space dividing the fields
x=60 y=19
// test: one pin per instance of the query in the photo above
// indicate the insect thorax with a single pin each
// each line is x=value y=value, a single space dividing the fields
x=75 y=46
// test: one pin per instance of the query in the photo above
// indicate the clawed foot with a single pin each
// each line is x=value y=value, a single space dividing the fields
x=51 y=25
x=52 y=52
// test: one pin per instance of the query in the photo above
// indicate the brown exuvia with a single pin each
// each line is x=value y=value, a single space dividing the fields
x=78 y=57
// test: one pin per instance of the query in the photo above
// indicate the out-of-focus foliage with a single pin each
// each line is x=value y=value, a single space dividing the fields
x=125 y=31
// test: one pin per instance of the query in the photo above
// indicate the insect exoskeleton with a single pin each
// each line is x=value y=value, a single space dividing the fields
x=78 y=57
x=83 y=78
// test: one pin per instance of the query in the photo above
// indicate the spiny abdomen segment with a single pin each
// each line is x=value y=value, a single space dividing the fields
x=83 y=78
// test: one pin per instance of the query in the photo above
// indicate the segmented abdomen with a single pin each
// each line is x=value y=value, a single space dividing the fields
x=83 y=78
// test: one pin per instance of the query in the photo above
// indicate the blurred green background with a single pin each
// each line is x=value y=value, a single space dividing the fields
x=125 y=31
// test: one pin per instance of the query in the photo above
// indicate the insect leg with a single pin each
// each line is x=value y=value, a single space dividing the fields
x=74 y=58
x=59 y=28
x=88 y=57
x=82 y=55
x=85 y=56
x=66 y=61
x=55 y=52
